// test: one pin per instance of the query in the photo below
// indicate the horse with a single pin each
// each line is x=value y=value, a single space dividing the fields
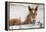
x=14 y=22
x=32 y=15
x=29 y=19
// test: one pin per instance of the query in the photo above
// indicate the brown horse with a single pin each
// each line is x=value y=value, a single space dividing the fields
x=14 y=22
x=30 y=17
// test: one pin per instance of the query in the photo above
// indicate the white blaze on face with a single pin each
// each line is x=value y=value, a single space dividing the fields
x=33 y=11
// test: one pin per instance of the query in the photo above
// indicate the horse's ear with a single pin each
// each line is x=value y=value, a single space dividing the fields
x=36 y=8
x=29 y=8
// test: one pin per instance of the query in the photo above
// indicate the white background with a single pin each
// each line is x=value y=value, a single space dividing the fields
x=2 y=16
x=20 y=11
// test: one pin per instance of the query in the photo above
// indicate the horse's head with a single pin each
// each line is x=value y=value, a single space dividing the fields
x=33 y=11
